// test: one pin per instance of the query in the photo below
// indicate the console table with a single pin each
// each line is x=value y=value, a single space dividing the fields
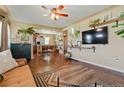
x=20 y=50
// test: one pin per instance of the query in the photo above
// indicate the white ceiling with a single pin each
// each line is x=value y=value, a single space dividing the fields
x=34 y=14
x=47 y=32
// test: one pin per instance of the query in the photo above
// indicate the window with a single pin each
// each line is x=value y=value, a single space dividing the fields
x=46 y=40
x=0 y=31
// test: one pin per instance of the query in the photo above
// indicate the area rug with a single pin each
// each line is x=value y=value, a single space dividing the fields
x=71 y=76
x=75 y=74
x=49 y=79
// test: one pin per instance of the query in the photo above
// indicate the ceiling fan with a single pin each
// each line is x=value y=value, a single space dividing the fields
x=55 y=13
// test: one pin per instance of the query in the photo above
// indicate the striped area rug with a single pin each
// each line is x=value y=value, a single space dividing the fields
x=69 y=75
x=50 y=80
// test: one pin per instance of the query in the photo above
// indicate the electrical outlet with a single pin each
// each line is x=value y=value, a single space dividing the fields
x=117 y=59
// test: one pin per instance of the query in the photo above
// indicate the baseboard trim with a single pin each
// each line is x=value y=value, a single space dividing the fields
x=103 y=66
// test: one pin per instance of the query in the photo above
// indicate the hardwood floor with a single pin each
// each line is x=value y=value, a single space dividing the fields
x=51 y=61
x=47 y=62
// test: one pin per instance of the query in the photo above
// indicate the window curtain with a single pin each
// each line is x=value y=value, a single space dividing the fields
x=0 y=32
x=4 y=35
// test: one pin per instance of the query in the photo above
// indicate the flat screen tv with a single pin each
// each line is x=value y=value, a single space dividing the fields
x=95 y=36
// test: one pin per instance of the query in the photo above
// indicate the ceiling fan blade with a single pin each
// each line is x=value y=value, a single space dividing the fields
x=61 y=14
x=44 y=7
x=46 y=15
x=60 y=7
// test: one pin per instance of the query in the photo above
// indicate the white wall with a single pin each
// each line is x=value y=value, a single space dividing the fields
x=14 y=26
x=51 y=38
x=110 y=55
x=15 y=38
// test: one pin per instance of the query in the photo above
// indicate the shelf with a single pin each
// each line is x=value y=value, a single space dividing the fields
x=107 y=22
x=93 y=48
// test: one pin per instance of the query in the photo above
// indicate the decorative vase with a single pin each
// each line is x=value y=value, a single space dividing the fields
x=67 y=55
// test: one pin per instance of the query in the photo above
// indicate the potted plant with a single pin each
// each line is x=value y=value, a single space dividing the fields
x=95 y=21
x=76 y=34
x=25 y=33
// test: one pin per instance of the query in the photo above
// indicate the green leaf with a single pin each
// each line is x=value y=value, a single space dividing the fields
x=120 y=33
x=114 y=26
x=122 y=24
x=27 y=31
x=76 y=33
x=122 y=36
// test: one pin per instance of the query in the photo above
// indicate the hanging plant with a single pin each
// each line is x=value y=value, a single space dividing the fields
x=120 y=33
x=122 y=15
x=117 y=25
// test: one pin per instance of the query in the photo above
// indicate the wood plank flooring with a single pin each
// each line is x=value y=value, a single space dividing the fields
x=51 y=61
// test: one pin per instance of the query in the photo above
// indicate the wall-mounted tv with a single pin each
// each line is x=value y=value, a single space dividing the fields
x=95 y=36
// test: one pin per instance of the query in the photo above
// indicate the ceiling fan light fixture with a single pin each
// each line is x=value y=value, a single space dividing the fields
x=55 y=13
x=56 y=16
x=52 y=16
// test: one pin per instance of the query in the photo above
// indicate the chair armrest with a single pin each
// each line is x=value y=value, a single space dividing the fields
x=21 y=59
x=21 y=62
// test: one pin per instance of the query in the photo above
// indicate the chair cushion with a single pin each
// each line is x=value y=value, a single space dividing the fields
x=18 y=77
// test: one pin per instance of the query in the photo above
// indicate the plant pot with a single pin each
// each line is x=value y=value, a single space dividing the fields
x=24 y=37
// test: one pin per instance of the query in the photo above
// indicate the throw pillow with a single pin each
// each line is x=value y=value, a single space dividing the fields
x=6 y=61
x=7 y=52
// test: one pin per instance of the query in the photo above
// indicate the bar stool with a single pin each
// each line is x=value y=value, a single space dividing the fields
x=39 y=50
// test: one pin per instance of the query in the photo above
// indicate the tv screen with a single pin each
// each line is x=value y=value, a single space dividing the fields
x=95 y=36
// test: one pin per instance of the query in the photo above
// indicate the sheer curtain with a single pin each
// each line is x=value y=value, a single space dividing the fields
x=8 y=29
x=0 y=32
x=4 y=35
